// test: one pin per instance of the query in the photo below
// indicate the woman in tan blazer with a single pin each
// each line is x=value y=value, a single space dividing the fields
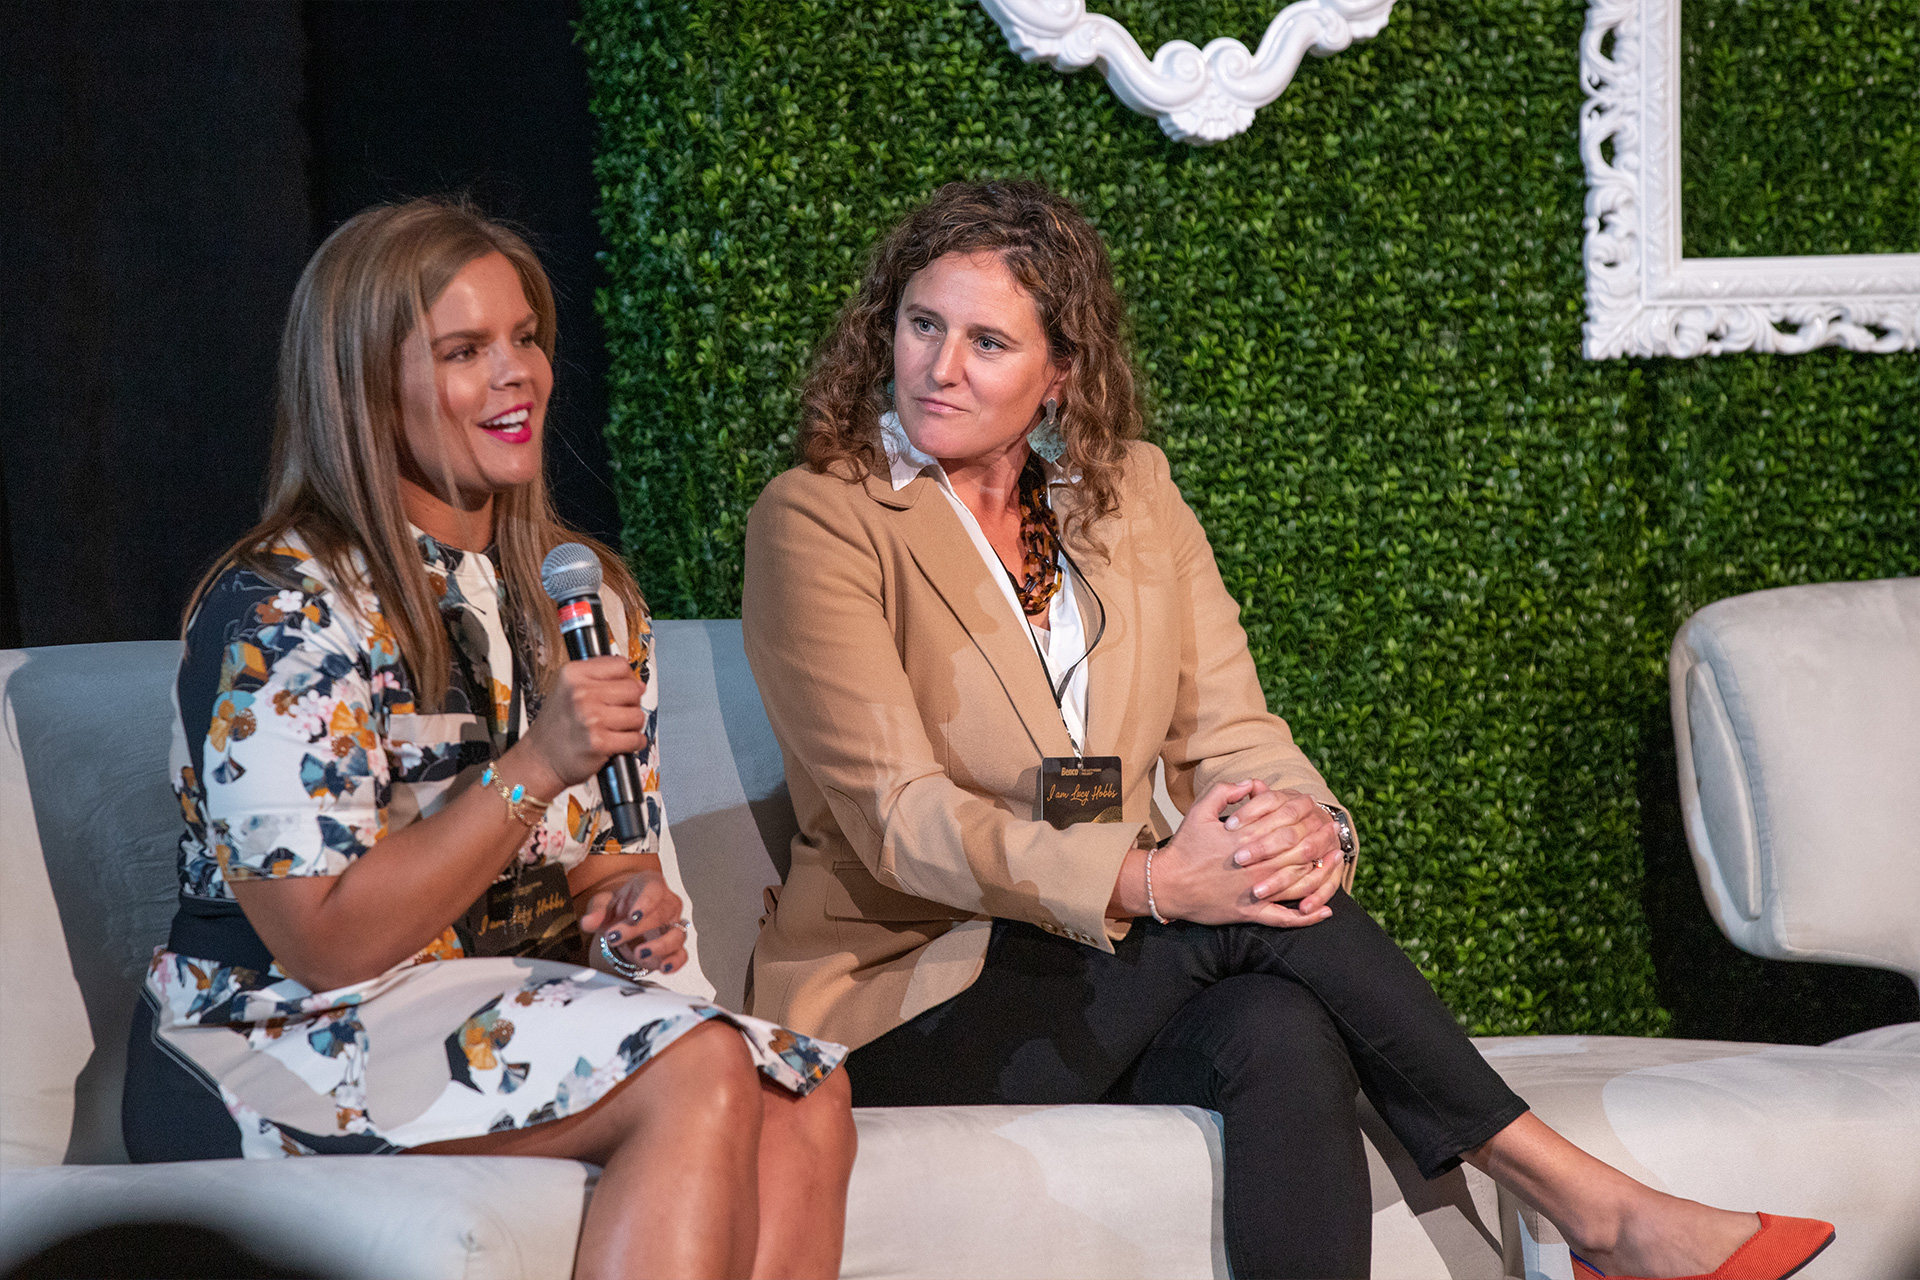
x=979 y=616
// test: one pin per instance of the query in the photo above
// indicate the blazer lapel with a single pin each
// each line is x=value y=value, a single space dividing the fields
x=943 y=552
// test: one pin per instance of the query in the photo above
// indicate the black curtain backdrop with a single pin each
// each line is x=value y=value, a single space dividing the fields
x=487 y=97
x=170 y=166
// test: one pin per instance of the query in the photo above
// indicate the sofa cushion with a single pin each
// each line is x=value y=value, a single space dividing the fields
x=1815 y=1132
x=1035 y=1191
x=43 y=1017
x=726 y=793
x=1901 y=1037
x=1065 y=1190
x=92 y=725
x=350 y=1217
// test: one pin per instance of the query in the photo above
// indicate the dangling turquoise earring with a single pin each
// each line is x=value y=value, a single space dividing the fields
x=1045 y=439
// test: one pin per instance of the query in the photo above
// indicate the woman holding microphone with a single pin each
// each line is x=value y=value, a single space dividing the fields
x=396 y=859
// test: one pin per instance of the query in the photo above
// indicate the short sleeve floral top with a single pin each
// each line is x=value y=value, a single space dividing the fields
x=317 y=744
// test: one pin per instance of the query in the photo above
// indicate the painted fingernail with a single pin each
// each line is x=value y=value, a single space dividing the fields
x=613 y=935
x=667 y=969
x=645 y=952
x=633 y=917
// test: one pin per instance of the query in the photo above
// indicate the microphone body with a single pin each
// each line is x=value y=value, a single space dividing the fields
x=584 y=628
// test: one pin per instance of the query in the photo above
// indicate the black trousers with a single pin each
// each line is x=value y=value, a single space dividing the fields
x=1273 y=1028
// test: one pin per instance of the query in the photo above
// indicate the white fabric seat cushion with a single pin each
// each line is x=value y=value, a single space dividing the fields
x=1819 y=1132
x=351 y=1217
x=1121 y=1191
x=1003 y=1192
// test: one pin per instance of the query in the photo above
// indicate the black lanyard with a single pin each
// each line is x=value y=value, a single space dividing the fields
x=1046 y=670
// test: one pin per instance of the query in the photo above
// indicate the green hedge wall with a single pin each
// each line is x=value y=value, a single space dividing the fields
x=1461 y=549
x=1800 y=127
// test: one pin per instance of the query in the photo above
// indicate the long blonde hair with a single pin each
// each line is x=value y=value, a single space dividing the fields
x=335 y=473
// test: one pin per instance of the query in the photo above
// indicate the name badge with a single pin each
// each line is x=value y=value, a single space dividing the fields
x=527 y=914
x=1083 y=790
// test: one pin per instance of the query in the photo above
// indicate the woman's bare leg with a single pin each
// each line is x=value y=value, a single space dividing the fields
x=806 y=1156
x=677 y=1142
x=1620 y=1225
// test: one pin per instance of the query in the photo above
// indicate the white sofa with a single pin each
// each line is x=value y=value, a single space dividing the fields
x=86 y=866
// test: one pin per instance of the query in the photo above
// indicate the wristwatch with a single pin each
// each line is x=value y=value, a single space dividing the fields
x=1345 y=824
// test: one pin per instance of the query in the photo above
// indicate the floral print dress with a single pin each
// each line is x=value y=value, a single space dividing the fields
x=299 y=743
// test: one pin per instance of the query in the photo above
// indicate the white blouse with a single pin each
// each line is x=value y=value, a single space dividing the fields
x=1064 y=644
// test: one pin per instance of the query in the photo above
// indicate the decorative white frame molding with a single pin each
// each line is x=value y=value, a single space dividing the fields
x=1199 y=95
x=1643 y=298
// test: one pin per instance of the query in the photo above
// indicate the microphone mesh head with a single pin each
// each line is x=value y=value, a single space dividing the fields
x=570 y=571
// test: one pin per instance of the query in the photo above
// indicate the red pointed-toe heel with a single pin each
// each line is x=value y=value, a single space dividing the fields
x=1777 y=1250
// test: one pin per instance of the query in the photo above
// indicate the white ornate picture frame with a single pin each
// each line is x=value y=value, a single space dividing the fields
x=1643 y=297
x=1199 y=95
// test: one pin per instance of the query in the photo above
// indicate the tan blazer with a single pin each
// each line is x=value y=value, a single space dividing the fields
x=913 y=714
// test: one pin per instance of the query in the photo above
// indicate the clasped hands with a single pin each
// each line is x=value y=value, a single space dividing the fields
x=1245 y=867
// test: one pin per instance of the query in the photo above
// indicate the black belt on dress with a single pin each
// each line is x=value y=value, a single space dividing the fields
x=216 y=929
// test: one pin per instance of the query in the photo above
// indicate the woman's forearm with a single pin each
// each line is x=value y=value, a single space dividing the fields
x=1130 y=888
x=602 y=870
x=333 y=931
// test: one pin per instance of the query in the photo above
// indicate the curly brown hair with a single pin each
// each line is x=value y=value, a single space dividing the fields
x=1056 y=256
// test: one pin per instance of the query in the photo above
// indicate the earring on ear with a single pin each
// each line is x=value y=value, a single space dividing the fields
x=1045 y=438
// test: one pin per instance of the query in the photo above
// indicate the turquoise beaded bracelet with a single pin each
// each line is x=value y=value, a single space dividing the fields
x=522 y=806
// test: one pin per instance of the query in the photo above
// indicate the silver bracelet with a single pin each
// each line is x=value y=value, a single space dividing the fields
x=1153 y=910
x=625 y=968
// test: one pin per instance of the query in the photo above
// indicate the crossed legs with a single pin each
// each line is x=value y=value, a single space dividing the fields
x=707 y=1170
x=1050 y=1020
x=1263 y=1053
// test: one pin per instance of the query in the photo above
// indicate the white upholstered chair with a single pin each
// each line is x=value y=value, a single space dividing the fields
x=1797 y=717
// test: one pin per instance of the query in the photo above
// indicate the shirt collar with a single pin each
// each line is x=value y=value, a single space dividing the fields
x=907 y=463
x=432 y=551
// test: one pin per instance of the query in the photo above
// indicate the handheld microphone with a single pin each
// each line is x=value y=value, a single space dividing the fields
x=571 y=575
